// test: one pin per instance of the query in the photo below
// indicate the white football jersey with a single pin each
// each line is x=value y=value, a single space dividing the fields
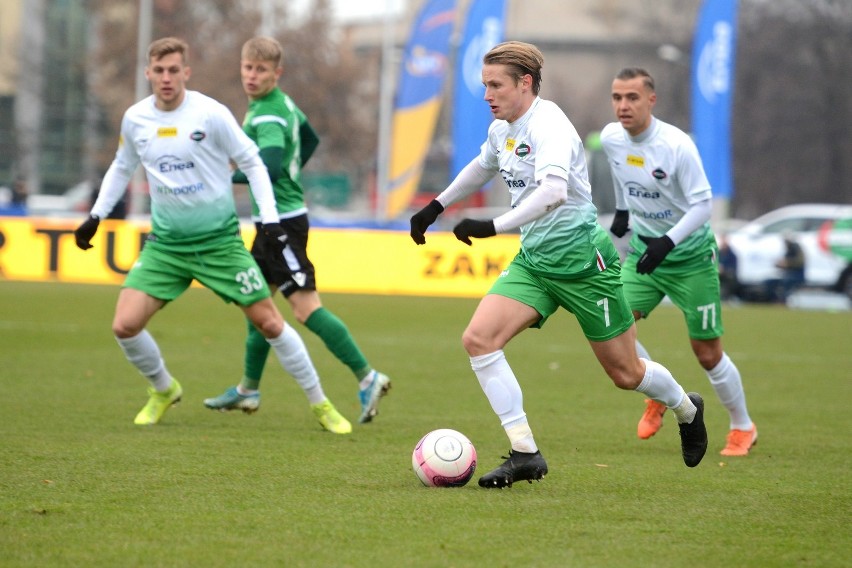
x=544 y=142
x=660 y=175
x=185 y=154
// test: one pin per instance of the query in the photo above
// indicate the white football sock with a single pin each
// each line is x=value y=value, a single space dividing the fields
x=293 y=356
x=500 y=386
x=521 y=437
x=685 y=411
x=659 y=384
x=142 y=351
x=728 y=384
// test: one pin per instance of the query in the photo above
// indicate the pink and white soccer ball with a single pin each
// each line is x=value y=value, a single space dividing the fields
x=444 y=458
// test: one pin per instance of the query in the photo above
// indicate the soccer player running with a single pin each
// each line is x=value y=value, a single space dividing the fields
x=566 y=259
x=286 y=141
x=660 y=184
x=184 y=141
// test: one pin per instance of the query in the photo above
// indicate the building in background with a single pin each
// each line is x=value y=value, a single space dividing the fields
x=10 y=31
x=45 y=123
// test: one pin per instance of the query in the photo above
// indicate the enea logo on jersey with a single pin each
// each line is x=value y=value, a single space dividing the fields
x=167 y=132
x=198 y=136
x=173 y=164
x=510 y=181
x=636 y=190
x=523 y=150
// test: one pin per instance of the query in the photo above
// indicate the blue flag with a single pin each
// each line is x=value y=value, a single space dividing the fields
x=418 y=101
x=713 y=55
x=471 y=116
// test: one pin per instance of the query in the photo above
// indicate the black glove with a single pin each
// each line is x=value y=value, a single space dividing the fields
x=472 y=228
x=275 y=234
x=658 y=248
x=421 y=220
x=619 y=222
x=84 y=233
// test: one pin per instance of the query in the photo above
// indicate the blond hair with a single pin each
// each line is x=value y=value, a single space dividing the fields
x=263 y=49
x=165 y=46
x=521 y=58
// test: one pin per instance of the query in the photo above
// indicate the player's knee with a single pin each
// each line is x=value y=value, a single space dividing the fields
x=270 y=327
x=304 y=303
x=624 y=380
x=708 y=360
x=469 y=342
x=475 y=344
x=123 y=329
x=708 y=353
x=268 y=322
x=302 y=315
x=625 y=377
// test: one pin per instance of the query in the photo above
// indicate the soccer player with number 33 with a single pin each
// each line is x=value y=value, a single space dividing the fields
x=184 y=141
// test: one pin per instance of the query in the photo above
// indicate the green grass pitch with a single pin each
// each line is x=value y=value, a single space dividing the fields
x=80 y=485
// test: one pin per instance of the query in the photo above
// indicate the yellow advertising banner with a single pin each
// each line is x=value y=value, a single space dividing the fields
x=358 y=261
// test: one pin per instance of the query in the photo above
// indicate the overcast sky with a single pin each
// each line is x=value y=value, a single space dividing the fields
x=347 y=10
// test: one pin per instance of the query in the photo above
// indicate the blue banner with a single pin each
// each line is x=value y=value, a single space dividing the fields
x=483 y=30
x=418 y=101
x=713 y=56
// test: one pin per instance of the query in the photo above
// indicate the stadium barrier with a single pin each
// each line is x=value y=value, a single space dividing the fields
x=357 y=261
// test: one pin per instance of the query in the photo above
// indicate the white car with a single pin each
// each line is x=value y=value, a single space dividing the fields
x=759 y=245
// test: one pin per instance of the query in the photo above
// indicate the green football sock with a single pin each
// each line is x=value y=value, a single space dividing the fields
x=339 y=341
x=257 y=351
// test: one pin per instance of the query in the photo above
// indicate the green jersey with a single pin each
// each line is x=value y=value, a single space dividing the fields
x=275 y=121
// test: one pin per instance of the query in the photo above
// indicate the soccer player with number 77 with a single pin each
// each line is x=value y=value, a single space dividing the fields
x=184 y=141
x=566 y=260
x=660 y=182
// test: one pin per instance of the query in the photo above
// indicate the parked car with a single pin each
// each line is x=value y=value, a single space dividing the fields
x=759 y=245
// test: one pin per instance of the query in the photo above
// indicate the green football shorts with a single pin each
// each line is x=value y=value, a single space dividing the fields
x=695 y=292
x=228 y=270
x=597 y=300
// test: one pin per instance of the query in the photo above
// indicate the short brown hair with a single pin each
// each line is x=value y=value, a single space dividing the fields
x=522 y=58
x=164 y=46
x=633 y=72
x=263 y=49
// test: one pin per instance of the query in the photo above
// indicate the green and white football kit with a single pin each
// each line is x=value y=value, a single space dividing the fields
x=185 y=155
x=566 y=259
x=659 y=177
x=660 y=181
